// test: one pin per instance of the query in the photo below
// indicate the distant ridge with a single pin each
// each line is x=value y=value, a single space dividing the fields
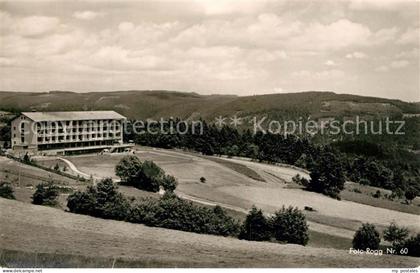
x=142 y=104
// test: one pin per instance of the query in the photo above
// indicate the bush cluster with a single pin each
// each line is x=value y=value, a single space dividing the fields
x=144 y=175
x=398 y=236
x=6 y=190
x=172 y=212
x=300 y=180
x=412 y=244
x=327 y=175
x=168 y=211
x=102 y=200
x=368 y=237
x=286 y=225
x=256 y=226
x=45 y=194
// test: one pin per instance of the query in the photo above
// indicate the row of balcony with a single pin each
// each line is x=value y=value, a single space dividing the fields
x=77 y=127
x=46 y=141
x=51 y=133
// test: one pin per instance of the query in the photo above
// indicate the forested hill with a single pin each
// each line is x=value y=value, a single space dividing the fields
x=157 y=103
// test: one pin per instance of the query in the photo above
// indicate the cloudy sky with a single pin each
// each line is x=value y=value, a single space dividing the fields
x=239 y=47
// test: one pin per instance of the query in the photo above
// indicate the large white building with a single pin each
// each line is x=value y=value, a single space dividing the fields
x=67 y=132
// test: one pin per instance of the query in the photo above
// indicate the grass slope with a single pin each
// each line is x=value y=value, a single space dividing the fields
x=51 y=233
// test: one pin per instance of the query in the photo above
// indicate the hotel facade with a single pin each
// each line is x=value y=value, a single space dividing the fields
x=67 y=132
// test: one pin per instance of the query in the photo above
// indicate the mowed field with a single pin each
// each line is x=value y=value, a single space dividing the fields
x=43 y=237
x=238 y=191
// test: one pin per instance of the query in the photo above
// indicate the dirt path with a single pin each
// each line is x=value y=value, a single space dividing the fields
x=31 y=228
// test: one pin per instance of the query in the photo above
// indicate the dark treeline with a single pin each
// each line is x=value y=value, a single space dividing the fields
x=358 y=160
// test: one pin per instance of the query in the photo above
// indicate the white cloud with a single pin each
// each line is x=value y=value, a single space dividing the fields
x=87 y=15
x=319 y=75
x=261 y=55
x=126 y=26
x=400 y=64
x=218 y=7
x=272 y=31
x=241 y=45
x=382 y=68
x=36 y=25
x=410 y=36
x=330 y=63
x=384 y=35
x=377 y=4
x=7 y=61
x=278 y=90
x=29 y=26
x=356 y=55
x=411 y=54
x=339 y=34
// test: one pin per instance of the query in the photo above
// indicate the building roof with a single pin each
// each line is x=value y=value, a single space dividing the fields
x=76 y=115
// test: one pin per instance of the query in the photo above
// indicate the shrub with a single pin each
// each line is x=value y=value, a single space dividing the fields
x=398 y=193
x=255 y=227
x=300 y=180
x=377 y=194
x=395 y=234
x=81 y=202
x=144 y=211
x=169 y=183
x=128 y=167
x=27 y=159
x=364 y=181
x=356 y=190
x=202 y=179
x=45 y=194
x=146 y=176
x=366 y=237
x=410 y=194
x=289 y=225
x=412 y=244
x=327 y=176
x=102 y=200
x=6 y=190
x=175 y=213
x=169 y=211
